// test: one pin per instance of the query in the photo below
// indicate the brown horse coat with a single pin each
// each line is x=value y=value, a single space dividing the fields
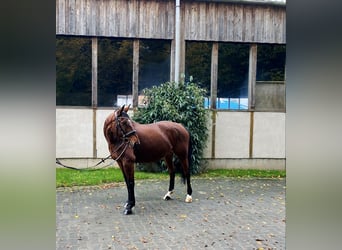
x=131 y=142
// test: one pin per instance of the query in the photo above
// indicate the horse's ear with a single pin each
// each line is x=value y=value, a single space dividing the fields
x=127 y=108
x=120 y=110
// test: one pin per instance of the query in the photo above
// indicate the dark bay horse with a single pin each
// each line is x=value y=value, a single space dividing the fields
x=130 y=142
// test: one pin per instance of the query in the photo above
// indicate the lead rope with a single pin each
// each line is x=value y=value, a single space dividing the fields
x=91 y=168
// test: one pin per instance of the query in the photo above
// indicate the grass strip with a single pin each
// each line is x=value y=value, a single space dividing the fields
x=243 y=173
x=69 y=178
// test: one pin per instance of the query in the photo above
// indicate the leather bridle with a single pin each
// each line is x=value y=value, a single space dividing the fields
x=125 y=135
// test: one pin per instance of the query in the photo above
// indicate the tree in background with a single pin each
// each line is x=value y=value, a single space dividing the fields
x=114 y=69
x=73 y=67
x=154 y=62
x=233 y=70
x=271 y=62
x=198 y=63
x=73 y=71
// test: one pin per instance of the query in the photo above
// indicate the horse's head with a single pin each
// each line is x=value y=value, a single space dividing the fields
x=124 y=125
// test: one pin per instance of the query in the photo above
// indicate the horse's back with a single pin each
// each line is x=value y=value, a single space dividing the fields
x=160 y=139
x=175 y=130
x=171 y=130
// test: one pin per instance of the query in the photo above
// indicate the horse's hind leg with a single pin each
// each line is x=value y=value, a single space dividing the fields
x=171 y=169
x=186 y=174
x=189 y=189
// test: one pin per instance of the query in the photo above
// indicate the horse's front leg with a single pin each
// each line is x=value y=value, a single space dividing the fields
x=131 y=198
x=128 y=172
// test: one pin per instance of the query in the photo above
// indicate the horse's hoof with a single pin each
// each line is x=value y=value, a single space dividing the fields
x=167 y=198
x=128 y=211
x=188 y=198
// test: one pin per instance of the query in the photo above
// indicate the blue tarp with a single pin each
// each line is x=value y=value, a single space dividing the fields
x=228 y=103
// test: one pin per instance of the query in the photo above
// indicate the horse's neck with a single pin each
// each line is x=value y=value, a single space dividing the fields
x=136 y=124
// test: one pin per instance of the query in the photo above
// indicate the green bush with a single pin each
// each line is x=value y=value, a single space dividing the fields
x=182 y=103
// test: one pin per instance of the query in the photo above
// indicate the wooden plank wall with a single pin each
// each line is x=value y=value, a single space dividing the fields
x=234 y=22
x=201 y=21
x=115 y=18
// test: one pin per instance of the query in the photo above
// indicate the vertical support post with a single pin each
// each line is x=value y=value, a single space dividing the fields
x=251 y=133
x=177 y=40
x=213 y=133
x=251 y=92
x=172 y=61
x=213 y=78
x=135 y=76
x=182 y=49
x=94 y=134
x=94 y=89
x=94 y=72
x=252 y=76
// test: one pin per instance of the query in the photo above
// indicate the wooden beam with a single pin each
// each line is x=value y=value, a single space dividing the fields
x=94 y=133
x=213 y=79
x=213 y=133
x=252 y=76
x=251 y=133
x=135 y=76
x=94 y=71
x=94 y=90
x=172 y=61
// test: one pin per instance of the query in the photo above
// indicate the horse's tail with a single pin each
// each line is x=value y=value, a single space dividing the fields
x=190 y=153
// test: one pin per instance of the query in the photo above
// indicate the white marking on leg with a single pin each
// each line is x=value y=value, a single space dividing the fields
x=188 y=198
x=168 y=195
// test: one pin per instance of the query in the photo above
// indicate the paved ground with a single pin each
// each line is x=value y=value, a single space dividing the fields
x=226 y=213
